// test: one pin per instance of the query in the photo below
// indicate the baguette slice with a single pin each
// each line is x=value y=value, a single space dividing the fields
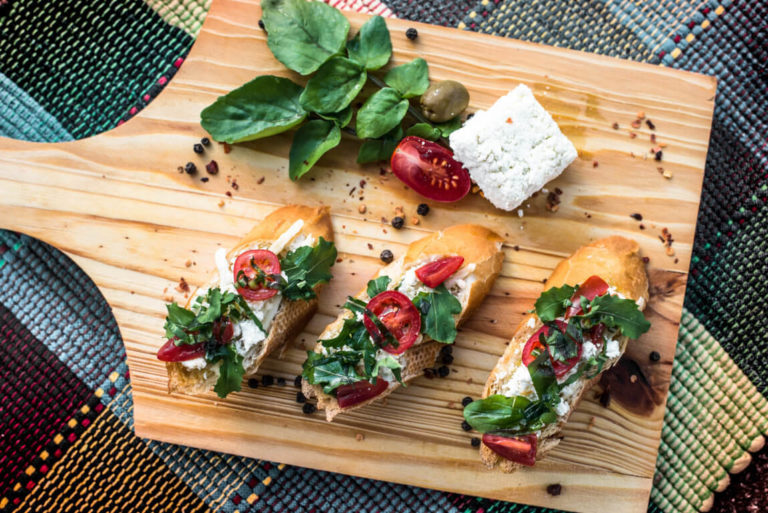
x=616 y=260
x=291 y=317
x=478 y=246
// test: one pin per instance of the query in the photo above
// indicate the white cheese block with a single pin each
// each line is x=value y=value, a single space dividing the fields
x=513 y=149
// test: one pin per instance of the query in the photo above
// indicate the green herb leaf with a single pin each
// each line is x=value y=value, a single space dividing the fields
x=425 y=131
x=542 y=375
x=382 y=112
x=303 y=35
x=563 y=346
x=615 y=312
x=449 y=126
x=377 y=286
x=341 y=118
x=310 y=142
x=332 y=371
x=231 y=371
x=334 y=86
x=371 y=47
x=552 y=303
x=375 y=150
x=307 y=267
x=265 y=106
x=409 y=79
x=440 y=306
x=496 y=412
x=196 y=325
x=390 y=363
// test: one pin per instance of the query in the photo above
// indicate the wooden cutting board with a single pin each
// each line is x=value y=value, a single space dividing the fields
x=118 y=206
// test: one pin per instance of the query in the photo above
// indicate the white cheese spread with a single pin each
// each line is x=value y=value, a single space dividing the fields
x=519 y=383
x=612 y=349
x=195 y=364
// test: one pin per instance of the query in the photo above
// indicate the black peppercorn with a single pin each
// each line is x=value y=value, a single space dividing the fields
x=198 y=148
x=443 y=371
x=297 y=381
x=465 y=426
x=658 y=155
x=655 y=356
x=636 y=217
x=554 y=489
x=446 y=358
x=212 y=167
x=475 y=442
x=300 y=398
x=205 y=141
x=267 y=380
x=411 y=33
x=281 y=382
x=397 y=222
x=386 y=256
x=253 y=383
x=422 y=209
x=446 y=349
x=261 y=24
x=308 y=408
x=190 y=168
x=204 y=179
x=466 y=401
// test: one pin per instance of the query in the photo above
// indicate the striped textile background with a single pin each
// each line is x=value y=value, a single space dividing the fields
x=70 y=70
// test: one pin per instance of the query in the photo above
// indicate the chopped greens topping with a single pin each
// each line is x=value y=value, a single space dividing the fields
x=553 y=302
x=437 y=310
x=377 y=286
x=305 y=268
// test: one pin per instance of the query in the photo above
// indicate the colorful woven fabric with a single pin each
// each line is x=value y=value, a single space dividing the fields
x=70 y=70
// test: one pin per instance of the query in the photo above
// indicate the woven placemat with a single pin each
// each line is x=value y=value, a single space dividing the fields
x=71 y=70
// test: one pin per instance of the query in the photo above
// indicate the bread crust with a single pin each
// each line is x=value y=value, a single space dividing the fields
x=617 y=261
x=478 y=245
x=291 y=317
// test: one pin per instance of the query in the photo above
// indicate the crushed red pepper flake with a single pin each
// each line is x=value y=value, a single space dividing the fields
x=261 y=180
x=183 y=286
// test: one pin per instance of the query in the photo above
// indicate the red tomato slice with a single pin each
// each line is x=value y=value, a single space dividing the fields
x=399 y=315
x=435 y=273
x=595 y=334
x=430 y=170
x=247 y=262
x=355 y=393
x=170 y=352
x=534 y=344
x=591 y=288
x=520 y=449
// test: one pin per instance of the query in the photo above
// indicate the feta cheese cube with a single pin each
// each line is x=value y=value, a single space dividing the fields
x=513 y=149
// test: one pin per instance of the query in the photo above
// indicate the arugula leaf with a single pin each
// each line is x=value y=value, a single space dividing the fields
x=425 y=131
x=311 y=142
x=334 y=86
x=231 y=371
x=409 y=79
x=615 y=312
x=375 y=150
x=306 y=267
x=496 y=412
x=332 y=371
x=377 y=286
x=371 y=47
x=552 y=303
x=265 y=106
x=390 y=363
x=196 y=325
x=381 y=113
x=303 y=35
x=438 y=309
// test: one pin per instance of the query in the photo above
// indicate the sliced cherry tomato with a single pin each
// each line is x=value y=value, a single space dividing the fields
x=520 y=449
x=223 y=331
x=170 y=352
x=355 y=393
x=247 y=262
x=595 y=334
x=435 y=273
x=534 y=344
x=430 y=170
x=591 y=288
x=399 y=315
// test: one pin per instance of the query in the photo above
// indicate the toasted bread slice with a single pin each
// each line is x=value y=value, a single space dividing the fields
x=291 y=316
x=616 y=260
x=479 y=247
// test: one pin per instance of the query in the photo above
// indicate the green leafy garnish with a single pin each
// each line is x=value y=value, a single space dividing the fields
x=377 y=286
x=307 y=267
x=231 y=370
x=425 y=131
x=382 y=112
x=341 y=118
x=553 y=302
x=563 y=346
x=371 y=47
x=437 y=310
x=334 y=86
x=615 y=312
x=409 y=79
x=309 y=144
x=375 y=150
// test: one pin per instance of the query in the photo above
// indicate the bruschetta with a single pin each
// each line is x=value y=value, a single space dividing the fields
x=590 y=308
x=262 y=294
x=391 y=331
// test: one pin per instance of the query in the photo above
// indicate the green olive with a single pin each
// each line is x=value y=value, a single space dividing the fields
x=444 y=100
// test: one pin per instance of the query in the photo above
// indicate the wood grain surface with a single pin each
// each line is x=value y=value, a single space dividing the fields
x=118 y=206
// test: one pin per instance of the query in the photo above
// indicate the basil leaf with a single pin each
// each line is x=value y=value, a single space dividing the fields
x=495 y=412
x=371 y=47
x=334 y=86
x=450 y=126
x=265 y=106
x=551 y=304
x=542 y=374
x=440 y=306
x=341 y=118
x=409 y=79
x=377 y=286
x=425 y=131
x=306 y=267
x=179 y=315
x=231 y=371
x=375 y=150
x=382 y=112
x=615 y=312
x=303 y=35
x=563 y=346
x=310 y=142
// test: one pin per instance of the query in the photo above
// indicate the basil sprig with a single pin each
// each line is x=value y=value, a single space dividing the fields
x=309 y=38
x=437 y=314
